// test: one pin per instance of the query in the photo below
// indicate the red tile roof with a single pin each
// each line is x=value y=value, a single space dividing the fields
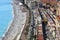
x=52 y=2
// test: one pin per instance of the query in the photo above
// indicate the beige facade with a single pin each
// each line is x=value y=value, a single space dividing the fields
x=58 y=9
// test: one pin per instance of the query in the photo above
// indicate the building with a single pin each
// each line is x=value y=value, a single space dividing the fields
x=43 y=1
x=29 y=2
x=52 y=2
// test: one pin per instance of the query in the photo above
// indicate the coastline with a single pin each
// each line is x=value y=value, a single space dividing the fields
x=15 y=26
x=9 y=22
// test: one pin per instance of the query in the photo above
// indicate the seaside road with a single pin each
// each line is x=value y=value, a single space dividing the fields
x=17 y=24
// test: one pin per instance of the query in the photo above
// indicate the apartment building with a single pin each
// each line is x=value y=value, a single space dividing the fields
x=52 y=2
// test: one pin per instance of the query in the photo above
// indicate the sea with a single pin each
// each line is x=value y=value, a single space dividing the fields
x=5 y=15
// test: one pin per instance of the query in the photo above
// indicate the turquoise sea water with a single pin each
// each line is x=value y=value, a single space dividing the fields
x=5 y=15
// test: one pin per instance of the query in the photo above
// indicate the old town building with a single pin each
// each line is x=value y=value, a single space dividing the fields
x=52 y=2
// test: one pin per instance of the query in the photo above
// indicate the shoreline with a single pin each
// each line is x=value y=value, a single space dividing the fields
x=10 y=23
x=14 y=27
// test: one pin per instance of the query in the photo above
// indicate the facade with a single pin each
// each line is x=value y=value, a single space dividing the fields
x=58 y=12
x=52 y=2
x=40 y=33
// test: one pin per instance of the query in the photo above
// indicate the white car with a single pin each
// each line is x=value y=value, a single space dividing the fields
x=20 y=3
